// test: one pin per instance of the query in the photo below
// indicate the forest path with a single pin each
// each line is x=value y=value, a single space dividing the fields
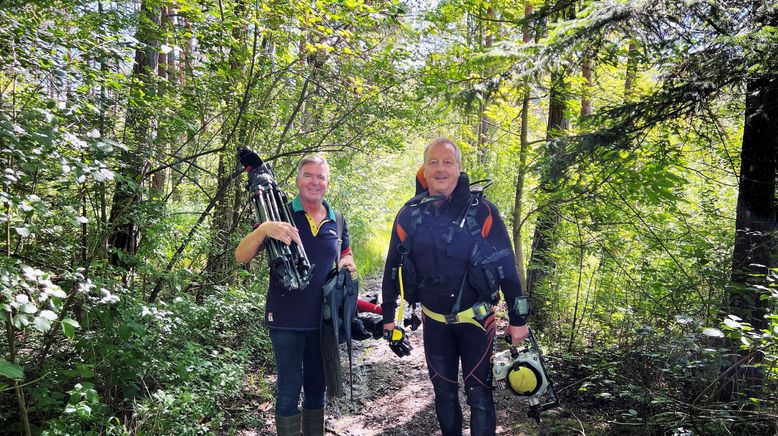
x=393 y=397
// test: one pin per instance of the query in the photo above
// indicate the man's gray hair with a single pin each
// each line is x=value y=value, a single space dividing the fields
x=315 y=159
x=443 y=140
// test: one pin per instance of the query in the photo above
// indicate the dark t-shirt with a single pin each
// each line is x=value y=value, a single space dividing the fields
x=301 y=309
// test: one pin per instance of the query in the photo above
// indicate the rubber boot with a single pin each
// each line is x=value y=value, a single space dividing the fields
x=288 y=425
x=313 y=422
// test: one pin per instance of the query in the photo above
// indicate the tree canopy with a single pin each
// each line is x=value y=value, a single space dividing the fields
x=632 y=145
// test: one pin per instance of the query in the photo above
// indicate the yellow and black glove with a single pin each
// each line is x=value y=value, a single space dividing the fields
x=398 y=342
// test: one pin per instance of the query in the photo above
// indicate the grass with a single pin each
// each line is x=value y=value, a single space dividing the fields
x=369 y=254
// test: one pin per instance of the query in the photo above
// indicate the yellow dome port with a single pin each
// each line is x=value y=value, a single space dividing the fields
x=523 y=380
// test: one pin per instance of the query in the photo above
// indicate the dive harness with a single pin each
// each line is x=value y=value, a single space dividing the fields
x=485 y=277
x=477 y=312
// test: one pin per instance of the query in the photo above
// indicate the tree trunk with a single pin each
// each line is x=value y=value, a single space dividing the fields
x=124 y=233
x=581 y=258
x=21 y=402
x=755 y=223
x=544 y=239
x=166 y=69
x=483 y=120
x=756 y=203
x=632 y=71
x=586 y=94
x=221 y=223
x=518 y=206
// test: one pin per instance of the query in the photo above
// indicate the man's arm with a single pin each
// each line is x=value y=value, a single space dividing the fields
x=389 y=290
x=249 y=246
x=510 y=284
x=348 y=262
x=346 y=257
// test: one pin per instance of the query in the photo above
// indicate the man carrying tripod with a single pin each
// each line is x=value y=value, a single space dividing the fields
x=294 y=316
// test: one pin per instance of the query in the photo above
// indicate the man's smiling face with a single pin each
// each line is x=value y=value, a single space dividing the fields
x=441 y=169
x=312 y=182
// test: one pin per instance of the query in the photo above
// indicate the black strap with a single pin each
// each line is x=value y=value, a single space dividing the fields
x=340 y=223
x=475 y=231
x=455 y=308
x=486 y=252
x=404 y=248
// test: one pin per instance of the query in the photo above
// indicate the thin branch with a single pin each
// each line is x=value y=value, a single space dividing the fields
x=161 y=281
x=651 y=230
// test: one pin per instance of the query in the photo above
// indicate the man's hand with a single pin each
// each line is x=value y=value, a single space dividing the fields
x=517 y=333
x=398 y=342
x=280 y=231
x=348 y=262
x=250 y=245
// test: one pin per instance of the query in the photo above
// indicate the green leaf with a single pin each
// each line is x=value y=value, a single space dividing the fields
x=69 y=327
x=21 y=320
x=11 y=370
x=41 y=324
x=125 y=331
x=732 y=323
x=48 y=315
x=92 y=397
x=713 y=332
x=683 y=319
x=68 y=331
x=103 y=174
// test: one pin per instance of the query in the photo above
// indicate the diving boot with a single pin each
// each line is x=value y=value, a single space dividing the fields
x=313 y=422
x=288 y=425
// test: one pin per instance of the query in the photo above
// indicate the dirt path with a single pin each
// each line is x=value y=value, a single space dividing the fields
x=394 y=397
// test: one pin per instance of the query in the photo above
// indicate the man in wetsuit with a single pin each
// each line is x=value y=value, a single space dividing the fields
x=453 y=252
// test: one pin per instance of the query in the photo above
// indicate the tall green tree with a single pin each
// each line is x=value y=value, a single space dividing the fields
x=754 y=249
x=541 y=261
x=140 y=132
x=714 y=58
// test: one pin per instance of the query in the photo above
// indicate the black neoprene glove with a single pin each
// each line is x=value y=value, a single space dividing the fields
x=398 y=342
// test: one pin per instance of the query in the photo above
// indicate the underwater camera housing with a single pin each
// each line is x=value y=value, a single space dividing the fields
x=523 y=372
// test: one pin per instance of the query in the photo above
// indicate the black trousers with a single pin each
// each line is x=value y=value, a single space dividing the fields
x=444 y=347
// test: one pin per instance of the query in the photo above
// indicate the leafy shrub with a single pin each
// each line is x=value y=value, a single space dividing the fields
x=667 y=382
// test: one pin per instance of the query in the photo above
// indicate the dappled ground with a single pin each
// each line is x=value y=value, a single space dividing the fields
x=394 y=397
x=605 y=392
